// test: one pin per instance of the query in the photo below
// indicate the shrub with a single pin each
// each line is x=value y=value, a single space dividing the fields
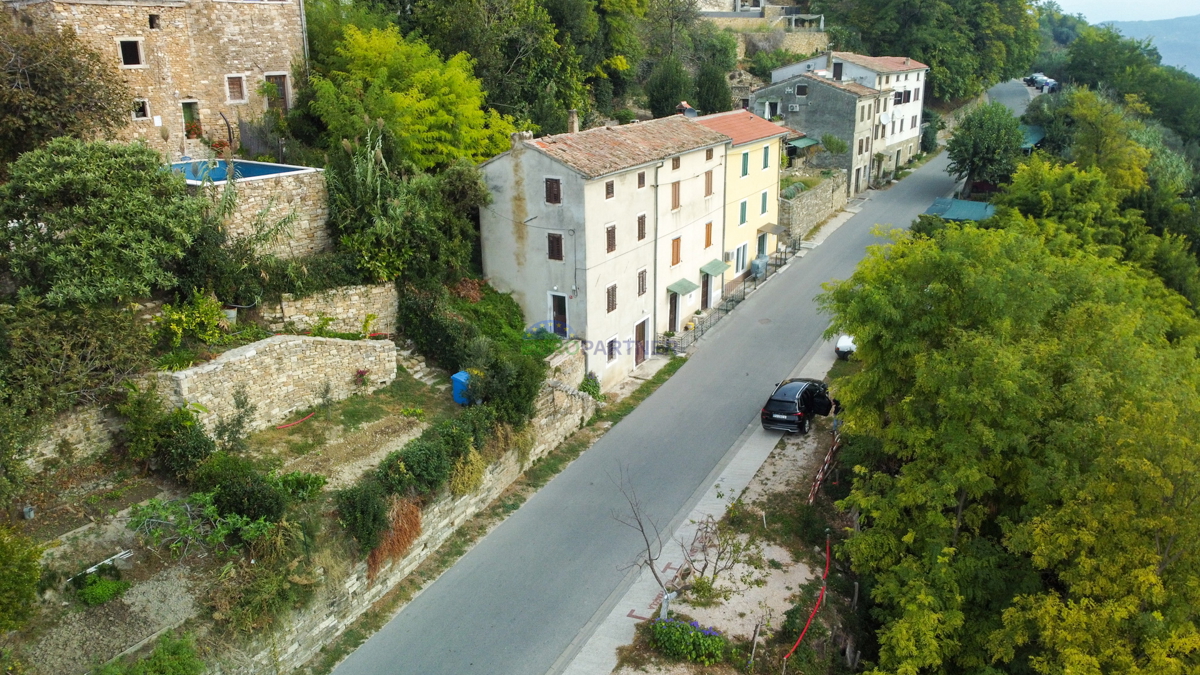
x=591 y=386
x=240 y=488
x=98 y=590
x=300 y=486
x=394 y=477
x=428 y=462
x=19 y=574
x=276 y=577
x=231 y=431
x=144 y=412
x=467 y=474
x=688 y=641
x=363 y=512
x=404 y=519
x=183 y=444
x=199 y=318
x=171 y=656
x=425 y=317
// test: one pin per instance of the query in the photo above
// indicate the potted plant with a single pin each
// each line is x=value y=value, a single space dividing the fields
x=193 y=129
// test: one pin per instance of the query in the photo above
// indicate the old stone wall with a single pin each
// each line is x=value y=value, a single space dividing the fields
x=347 y=306
x=799 y=42
x=281 y=375
x=303 y=194
x=188 y=50
x=812 y=207
x=561 y=410
x=74 y=434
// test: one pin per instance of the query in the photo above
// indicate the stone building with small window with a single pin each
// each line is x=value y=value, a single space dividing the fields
x=605 y=234
x=187 y=62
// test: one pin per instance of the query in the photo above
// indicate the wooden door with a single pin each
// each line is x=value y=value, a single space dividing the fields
x=559 y=312
x=673 y=315
x=705 y=289
x=639 y=338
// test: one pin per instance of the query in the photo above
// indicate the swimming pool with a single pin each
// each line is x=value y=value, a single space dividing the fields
x=196 y=171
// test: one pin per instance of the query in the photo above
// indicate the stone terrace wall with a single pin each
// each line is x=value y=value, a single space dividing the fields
x=304 y=194
x=281 y=375
x=347 y=306
x=811 y=207
x=561 y=410
x=88 y=430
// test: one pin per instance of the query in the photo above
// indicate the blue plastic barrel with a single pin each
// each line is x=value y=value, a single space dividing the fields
x=459 y=386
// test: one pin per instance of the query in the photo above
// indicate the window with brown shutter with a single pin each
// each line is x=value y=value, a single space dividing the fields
x=610 y=236
x=707 y=235
x=708 y=184
x=676 y=251
x=554 y=245
x=917 y=94
x=708 y=155
x=907 y=95
x=641 y=227
x=610 y=190
x=612 y=349
x=898 y=99
x=553 y=191
x=676 y=202
x=641 y=179
x=612 y=298
x=641 y=282
x=674 y=162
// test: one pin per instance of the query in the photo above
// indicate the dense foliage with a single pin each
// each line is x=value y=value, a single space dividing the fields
x=53 y=85
x=986 y=145
x=98 y=222
x=171 y=656
x=19 y=573
x=688 y=641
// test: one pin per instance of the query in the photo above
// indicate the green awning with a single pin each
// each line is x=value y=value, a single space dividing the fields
x=682 y=287
x=959 y=210
x=801 y=143
x=714 y=268
x=1033 y=135
x=773 y=228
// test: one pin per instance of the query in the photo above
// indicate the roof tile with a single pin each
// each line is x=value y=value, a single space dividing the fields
x=604 y=150
x=742 y=126
x=881 y=64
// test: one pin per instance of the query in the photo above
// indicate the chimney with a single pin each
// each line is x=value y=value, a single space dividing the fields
x=906 y=60
x=518 y=139
x=572 y=121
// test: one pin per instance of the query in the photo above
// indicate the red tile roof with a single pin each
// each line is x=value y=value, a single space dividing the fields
x=881 y=64
x=604 y=150
x=742 y=126
x=846 y=85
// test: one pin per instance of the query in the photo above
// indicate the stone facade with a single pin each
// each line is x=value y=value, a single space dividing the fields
x=178 y=56
x=84 y=431
x=281 y=375
x=302 y=193
x=561 y=410
x=347 y=306
x=813 y=207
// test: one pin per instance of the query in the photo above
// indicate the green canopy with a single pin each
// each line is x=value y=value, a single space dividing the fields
x=1033 y=135
x=801 y=143
x=714 y=268
x=682 y=287
x=959 y=209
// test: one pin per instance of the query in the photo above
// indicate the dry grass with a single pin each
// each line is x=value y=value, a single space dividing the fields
x=405 y=518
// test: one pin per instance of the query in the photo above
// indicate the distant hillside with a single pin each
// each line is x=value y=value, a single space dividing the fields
x=1178 y=40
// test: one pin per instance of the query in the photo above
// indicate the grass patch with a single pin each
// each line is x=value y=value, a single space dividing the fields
x=359 y=410
x=617 y=411
x=843 y=368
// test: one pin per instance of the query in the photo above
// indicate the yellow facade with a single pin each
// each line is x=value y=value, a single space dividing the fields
x=751 y=202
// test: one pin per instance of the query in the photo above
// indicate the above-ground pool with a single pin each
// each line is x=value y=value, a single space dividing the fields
x=196 y=171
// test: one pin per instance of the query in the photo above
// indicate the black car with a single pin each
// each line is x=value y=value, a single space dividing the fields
x=792 y=406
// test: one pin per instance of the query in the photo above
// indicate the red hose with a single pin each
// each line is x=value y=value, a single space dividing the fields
x=820 y=598
x=284 y=426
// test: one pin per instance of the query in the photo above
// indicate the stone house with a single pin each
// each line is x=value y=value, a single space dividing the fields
x=819 y=105
x=751 y=190
x=186 y=61
x=602 y=234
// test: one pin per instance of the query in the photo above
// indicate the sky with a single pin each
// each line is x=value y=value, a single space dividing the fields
x=1097 y=11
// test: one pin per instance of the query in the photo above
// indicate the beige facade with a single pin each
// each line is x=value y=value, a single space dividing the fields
x=192 y=59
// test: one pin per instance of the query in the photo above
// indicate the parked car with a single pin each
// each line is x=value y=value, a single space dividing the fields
x=794 y=403
x=844 y=347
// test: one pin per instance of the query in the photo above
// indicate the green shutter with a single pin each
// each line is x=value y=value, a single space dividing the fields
x=764 y=202
x=766 y=156
x=743 y=218
x=745 y=163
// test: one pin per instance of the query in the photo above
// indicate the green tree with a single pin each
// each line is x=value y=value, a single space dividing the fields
x=54 y=85
x=96 y=222
x=712 y=90
x=433 y=108
x=19 y=574
x=986 y=145
x=669 y=84
x=1104 y=139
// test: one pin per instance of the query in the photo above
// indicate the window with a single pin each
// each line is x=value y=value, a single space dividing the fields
x=610 y=189
x=913 y=124
x=745 y=164
x=887 y=80
x=742 y=213
x=708 y=184
x=766 y=156
x=154 y=25
x=764 y=203
x=131 y=53
x=893 y=127
x=641 y=282
x=611 y=349
x=916 y=94
x=901 y=125
x=918 y=77
x=610 y=238
x=674 y=162
x=278 y=99
x=553 y=191
x=676 y=202
x=876 y=106
x=875 y=133
x=641 y=226
x=907 y=95
x=641 y=179
x=707 y=235
x=235 y=88
x=676 y=251
x=739 y=259
x=860 y=146
x=802 y=90
x=554 y=246
x=898 y=98
x=141 y=109
x=611 y=292
x=708 y=155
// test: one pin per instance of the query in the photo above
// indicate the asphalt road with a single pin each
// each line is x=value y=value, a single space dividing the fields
x=527 y=591
x=1013 y=94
